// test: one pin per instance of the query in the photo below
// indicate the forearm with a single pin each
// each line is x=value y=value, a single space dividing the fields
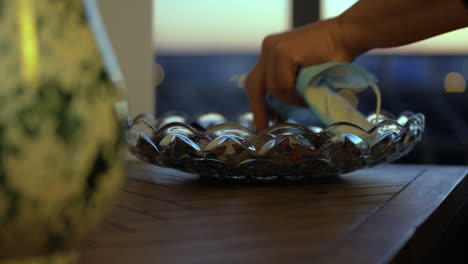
x=373 y=24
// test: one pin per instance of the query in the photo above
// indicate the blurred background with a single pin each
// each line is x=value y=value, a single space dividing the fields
x=201 y=46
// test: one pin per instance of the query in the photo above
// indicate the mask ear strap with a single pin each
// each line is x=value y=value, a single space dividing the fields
x=378 y=96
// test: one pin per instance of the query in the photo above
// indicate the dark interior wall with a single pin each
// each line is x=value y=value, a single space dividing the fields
x=305 y=11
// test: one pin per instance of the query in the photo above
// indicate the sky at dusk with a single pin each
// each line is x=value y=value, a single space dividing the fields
x=236 y=26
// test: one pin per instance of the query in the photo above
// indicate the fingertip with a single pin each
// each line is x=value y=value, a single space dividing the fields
x=260 y=114
x=256 y=91
x=260 y=124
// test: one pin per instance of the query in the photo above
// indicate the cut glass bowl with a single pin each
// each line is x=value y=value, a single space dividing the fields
x=210 y=147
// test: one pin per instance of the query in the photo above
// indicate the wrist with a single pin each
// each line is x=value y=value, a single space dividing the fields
x=348 y=39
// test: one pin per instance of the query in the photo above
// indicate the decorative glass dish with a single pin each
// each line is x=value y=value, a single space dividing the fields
x=212 y=147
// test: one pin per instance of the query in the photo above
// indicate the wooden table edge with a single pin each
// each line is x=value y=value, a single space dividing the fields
x=441 y=198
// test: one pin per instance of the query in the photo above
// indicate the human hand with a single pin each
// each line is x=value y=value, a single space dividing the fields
x=282 y=55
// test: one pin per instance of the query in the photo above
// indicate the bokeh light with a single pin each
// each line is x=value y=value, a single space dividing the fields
x=454 y=83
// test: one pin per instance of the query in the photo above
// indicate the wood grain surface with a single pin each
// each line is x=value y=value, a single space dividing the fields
x=388 y=213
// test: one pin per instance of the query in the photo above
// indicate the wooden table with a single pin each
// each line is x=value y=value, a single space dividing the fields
x=388 y=213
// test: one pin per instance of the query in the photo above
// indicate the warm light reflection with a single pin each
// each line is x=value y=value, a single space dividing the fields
x=28 y=41
x=240 y=79
x=454 y=83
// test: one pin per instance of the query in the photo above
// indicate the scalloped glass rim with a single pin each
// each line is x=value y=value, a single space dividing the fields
x=285 y=151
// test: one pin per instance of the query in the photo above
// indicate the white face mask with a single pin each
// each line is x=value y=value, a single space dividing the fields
x=326 y=107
